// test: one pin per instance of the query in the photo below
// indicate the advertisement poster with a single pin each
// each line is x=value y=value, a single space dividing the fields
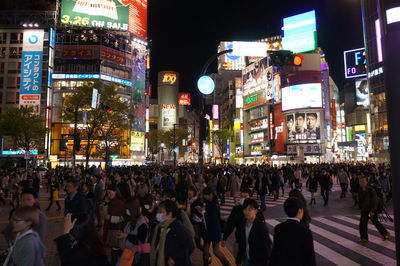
x=107 y=14
x=31 y=69
x=138 y=18
x=257 y=78
x=139 y=85
x=310 y=95
x=137 y=141
x=168 y=115
x=303 y=126
x=184 y=98
x=362 y=92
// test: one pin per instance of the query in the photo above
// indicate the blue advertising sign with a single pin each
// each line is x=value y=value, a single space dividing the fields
x=31 y=74
x=300 y=32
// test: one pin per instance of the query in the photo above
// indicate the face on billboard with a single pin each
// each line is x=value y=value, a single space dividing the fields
x=362 y=92
x=303 y=127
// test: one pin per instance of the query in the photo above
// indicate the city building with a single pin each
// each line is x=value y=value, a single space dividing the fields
x=27 y=41
x=373 y=26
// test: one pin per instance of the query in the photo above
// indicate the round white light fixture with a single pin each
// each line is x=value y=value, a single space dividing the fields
x=206 y=85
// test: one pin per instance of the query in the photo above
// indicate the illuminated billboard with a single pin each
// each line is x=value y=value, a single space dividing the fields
x=107 y=14
x=137 y=17
x=249 y=49
x=228 y=61
x=184 y=98
x=302 y=96
x=303 y=127
x=137 y=141
x=168 y=115
x=31 y=69
x=355 y=63
x=362 y=92
x=300 y=32
x=257 y=83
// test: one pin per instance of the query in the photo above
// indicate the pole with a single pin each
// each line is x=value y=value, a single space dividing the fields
x=391 y=63
x=174 y=146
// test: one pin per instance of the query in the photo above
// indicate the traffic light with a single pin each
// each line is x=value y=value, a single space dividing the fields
x=285 y=58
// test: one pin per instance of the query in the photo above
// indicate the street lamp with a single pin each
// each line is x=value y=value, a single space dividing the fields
x=162 y=152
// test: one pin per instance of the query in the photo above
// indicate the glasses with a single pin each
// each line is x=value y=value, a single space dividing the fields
x=14 y=219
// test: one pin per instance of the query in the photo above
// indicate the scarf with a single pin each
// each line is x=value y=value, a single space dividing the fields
x=157 y=256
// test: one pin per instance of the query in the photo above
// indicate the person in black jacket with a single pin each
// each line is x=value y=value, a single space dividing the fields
x=253 y=238
x=293 y=243
x=211 y=227
x=75 y=203
x=122 y=186
x=236 y=218
x=261 y=187
x=80 y=244
x=325 y=183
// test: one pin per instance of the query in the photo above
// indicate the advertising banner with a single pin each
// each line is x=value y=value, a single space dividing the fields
x=362 y=92
x=31 y=69
x=303 y=127
x=184 y=98
x=139 y=55
x=138 y=17
x=230 y=61
x=107 y=14
x=302 y=96
x=306 y=149
x=77 y=51
x=168 y=115
x=112 y=55
x=137 y=141
x=300 y=32
x=355 y=63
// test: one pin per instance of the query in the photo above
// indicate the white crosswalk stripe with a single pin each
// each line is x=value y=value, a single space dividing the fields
x=336 y=240
x=226 y=208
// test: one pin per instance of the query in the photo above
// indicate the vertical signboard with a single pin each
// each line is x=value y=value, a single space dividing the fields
x=31 y=69
x=138 y=17
x=168 y=115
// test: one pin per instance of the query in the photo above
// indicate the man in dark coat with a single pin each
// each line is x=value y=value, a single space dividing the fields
x=75 y=202
x=253 y=237
x=293 y=243
x=368 y=202
x=261 y=187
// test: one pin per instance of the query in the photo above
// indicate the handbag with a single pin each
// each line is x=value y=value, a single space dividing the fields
x=126 y=258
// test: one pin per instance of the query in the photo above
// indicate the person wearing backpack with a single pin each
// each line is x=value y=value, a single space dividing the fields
x=368 y=202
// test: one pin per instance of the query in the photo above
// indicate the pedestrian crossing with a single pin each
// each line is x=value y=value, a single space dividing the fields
x=336 y=242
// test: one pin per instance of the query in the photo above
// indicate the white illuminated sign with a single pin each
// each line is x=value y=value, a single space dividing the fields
x=249 y=49
x=393 y=15
x=206 y=85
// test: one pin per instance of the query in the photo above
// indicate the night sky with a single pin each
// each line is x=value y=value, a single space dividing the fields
x=184 y=34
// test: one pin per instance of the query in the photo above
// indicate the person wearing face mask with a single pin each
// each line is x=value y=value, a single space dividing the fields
x=171 y=242
x=236 y=218
x=80 y=244
x=136 y=233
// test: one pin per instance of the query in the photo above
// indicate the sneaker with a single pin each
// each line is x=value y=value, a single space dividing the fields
x=386 y=237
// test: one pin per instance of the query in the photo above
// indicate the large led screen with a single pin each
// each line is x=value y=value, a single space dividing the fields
x=107 y=14
x=302 y=96
x=362 y=92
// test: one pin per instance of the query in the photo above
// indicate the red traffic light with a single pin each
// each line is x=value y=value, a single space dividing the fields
x=298 y=60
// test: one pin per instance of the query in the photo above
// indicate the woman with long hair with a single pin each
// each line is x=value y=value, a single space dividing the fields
x=136 y=233
x=80 y=243
x=54 y=194
x=312 y=185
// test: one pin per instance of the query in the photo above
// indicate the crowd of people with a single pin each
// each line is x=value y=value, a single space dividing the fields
x=157 y=215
